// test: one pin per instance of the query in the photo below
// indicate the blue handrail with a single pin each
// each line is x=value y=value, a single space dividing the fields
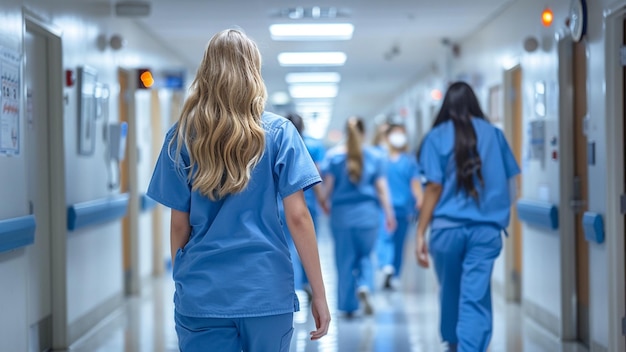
x=538 y=214
x=97 y=211
x=593 y=225
x=17 y=232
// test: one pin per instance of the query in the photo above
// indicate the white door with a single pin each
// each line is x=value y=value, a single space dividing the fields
x=36 y=147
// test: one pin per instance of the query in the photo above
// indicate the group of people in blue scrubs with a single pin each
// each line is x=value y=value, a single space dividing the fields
x=243 y=184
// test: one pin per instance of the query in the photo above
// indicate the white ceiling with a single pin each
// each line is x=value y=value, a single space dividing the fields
x=369 y=81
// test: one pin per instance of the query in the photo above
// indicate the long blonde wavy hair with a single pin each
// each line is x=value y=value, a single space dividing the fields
x=220 y=124
x=354 y=163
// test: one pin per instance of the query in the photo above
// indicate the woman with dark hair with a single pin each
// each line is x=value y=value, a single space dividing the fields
x=355 y=183
x=469 y=167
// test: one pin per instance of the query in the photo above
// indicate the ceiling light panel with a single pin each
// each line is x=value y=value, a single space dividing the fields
x=319 y=58
x=313 y=91
x=313 y=77
x=312 y=31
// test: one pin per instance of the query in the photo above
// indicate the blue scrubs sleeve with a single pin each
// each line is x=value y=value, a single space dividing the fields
x=430 y=162
x=169 y=185
x=510 y=164
x=414 y=168
x=294 y=169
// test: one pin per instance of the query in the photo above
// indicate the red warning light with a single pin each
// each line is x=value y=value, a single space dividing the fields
x=547 y=16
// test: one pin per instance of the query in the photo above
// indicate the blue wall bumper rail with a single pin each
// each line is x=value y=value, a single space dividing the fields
x=593 y=225
x=147 y=203
x=17 y=232
x=97 y=211
x=539 y=214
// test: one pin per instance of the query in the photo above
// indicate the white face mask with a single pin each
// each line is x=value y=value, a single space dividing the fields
x=397 y=140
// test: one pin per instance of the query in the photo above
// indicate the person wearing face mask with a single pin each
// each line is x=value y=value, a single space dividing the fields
x=406 y=196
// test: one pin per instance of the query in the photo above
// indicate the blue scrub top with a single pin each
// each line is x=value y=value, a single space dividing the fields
x=236 y=263
x=355 y=205
x=400 y=174
x=498 y=167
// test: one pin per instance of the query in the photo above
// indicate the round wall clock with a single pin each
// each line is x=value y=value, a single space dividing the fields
x=578 y=19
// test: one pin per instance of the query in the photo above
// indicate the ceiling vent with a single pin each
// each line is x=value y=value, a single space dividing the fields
x=132 y=8
x=314 y=12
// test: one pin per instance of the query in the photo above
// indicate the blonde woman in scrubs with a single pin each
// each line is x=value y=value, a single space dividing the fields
x=357 y=190
x=221 y=170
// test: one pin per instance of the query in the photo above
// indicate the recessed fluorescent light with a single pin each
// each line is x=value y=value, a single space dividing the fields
x=279 y=98
x=312 y=31
x=312 y=104
x=313 y=91
x=313 y=77
x=320 y=58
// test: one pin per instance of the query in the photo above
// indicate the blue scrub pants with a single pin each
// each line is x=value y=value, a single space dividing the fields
x=353 y=248
x=463 y=258
x=398 y=238
x=384 y=245
x=257 y=334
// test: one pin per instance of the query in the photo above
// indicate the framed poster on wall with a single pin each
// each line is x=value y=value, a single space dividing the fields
x=495 y=104
x=10 y=102
x=86 y=83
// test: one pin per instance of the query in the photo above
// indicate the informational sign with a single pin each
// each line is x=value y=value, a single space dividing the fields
x=10 y=102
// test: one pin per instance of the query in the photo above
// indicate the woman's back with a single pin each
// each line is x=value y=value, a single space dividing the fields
x=237 y=242
x=355 y=204
x=497 y=166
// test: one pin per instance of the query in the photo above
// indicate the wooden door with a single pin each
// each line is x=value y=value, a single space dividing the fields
x=124 y=106
x=580 y=190
x=516 y=145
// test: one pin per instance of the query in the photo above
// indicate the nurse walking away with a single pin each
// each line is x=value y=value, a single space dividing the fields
x=469 y=168
x=355 y=182
x=221 y=169
x=406 y=196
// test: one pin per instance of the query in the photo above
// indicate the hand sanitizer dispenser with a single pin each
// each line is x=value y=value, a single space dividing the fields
x=117 y=140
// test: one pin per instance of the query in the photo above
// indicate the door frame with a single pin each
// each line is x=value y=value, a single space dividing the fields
x=132 y=281
x=613 y=37
x=512 y=285
x=567 y=217
x=57 y=206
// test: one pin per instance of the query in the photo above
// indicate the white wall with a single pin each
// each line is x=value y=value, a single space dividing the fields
x=14 y=265
x=144 y=172
x=94 y=255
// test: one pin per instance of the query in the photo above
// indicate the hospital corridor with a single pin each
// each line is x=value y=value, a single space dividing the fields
x=313 y=175
x=405 y=319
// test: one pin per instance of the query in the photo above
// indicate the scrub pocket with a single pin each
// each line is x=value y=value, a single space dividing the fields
x=285 y=341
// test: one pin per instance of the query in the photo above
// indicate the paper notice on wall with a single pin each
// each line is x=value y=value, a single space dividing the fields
x=10 y=102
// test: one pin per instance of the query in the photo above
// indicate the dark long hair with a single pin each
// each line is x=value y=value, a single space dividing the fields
x=460 y=106
x=296 y=120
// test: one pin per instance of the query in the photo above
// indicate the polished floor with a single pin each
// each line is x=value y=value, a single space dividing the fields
x=405 y=319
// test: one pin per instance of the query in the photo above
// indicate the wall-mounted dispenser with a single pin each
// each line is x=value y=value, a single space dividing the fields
x=117 y=134
x=115 y=137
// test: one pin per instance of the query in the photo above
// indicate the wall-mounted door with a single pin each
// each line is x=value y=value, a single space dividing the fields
x=580 y=193
x=623 y=200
